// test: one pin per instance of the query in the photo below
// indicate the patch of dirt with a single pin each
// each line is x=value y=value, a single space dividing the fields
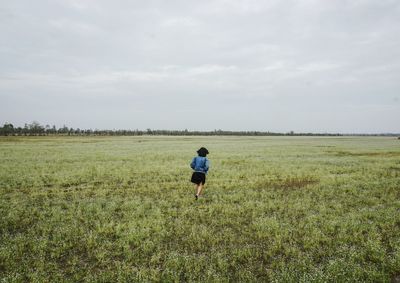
x=395 y=278
x=394 y=168
x=375 y=154
x=288 y=182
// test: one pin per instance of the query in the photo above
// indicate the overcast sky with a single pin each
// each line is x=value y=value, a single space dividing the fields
x=305 y=65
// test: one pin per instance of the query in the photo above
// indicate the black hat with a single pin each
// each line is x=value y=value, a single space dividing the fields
x=203 y=152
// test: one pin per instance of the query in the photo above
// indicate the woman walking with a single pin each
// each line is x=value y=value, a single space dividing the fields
x=200 y=164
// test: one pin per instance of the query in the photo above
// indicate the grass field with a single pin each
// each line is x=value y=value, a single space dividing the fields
x=275 y=209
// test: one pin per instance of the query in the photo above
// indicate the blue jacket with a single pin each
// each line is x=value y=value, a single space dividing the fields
x=200 y=164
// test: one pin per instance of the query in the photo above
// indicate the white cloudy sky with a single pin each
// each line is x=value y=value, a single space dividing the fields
x=305 y=65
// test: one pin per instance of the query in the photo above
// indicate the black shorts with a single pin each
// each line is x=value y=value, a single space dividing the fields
x=198 y=178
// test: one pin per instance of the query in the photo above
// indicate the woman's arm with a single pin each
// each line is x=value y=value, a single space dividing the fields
x=193 y=164
x=206 y=165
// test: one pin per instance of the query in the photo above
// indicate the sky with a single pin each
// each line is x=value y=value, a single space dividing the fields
x=276 y=65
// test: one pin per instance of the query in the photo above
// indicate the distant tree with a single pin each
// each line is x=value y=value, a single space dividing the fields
x=53 y=130
x=7 y=129
x=47 y=129
x=25 y=130
x=18 y=131
x=63 y=130
x=35 y=128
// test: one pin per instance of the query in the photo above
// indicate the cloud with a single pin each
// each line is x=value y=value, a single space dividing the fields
x=74 y=26
x=259 y=59
x=179 y=22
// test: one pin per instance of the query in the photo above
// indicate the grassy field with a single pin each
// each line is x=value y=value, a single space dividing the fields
x=275 y=209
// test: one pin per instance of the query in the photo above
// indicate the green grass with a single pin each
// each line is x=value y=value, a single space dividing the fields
x=278 y=209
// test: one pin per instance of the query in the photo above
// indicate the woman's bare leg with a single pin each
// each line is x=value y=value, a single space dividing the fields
x=196 y=189
x=199 y=188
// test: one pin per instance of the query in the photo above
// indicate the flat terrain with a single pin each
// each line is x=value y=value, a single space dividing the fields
x=279 y=209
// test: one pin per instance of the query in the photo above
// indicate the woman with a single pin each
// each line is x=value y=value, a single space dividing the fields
x=200 y=164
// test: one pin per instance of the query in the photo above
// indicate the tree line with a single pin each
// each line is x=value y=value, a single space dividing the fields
x=36 y=129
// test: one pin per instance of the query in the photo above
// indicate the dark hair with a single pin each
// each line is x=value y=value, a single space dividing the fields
x=203 y=152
